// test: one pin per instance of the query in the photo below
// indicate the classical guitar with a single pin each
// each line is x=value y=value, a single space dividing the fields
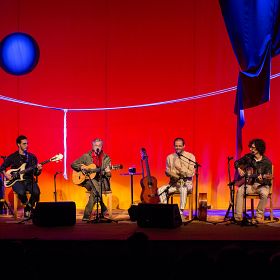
x=249 y=177
x=17 y=174
x=78 y=177
x=149 y=193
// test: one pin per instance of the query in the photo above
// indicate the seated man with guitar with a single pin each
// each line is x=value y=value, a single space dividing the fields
x=256 y=169
x=180 y=168
x=21 y=181
x=92 y=171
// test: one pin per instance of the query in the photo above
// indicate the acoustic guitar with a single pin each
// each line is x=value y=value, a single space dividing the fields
x=78 y=177
x=17 y=174
x=250 y=176
x=149 y=193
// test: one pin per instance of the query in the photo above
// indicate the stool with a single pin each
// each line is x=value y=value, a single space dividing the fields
x=16 y=200
x=189 y=202
x=109 y=203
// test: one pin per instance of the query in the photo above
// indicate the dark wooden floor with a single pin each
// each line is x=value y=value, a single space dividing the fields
x=121 y=245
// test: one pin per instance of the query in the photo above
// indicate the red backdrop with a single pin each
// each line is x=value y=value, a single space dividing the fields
x=117 y=53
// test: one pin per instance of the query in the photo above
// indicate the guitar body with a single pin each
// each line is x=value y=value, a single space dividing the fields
x=149 y=193
x=250 y=177
x=148 y=183
x=78 y=177
x=17 y=175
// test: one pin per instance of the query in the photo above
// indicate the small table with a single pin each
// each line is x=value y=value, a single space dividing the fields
x=131 y=182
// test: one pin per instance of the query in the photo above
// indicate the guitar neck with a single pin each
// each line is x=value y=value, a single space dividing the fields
x=33 y=167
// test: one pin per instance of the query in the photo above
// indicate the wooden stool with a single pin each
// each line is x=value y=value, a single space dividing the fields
x=16 y=202
x=109 y=202
x=190 y=201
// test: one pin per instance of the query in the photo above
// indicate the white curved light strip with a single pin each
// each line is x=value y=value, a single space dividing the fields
x=213 y=93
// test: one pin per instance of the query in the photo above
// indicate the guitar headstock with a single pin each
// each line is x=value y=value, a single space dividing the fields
x=143 y=154
x=57 y=157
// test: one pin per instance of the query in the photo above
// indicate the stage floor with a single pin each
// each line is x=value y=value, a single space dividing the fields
x=121 y=246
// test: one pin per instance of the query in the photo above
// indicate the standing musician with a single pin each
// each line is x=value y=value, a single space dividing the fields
x=256 y=169
x=102 y=161
x=15 y=161
x=180 y=170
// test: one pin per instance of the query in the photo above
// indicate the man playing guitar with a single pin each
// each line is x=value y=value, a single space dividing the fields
x=256 y=169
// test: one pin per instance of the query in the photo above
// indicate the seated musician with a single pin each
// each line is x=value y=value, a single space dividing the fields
x=256 y=169
x=29 y=183
x=100 y=179
x=180 y=168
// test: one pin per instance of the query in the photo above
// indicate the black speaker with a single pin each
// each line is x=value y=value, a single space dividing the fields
x=54 y=214
x=158 y=215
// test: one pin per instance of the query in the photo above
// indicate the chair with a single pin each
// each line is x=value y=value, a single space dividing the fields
x=16 y=203
x=189 y=201
x=108 y=203
x=256 y=196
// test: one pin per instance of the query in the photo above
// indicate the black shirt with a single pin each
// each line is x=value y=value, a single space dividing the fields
x=16 y=160
x=261 y=167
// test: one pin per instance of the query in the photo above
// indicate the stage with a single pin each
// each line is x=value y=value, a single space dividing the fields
x=121 y=245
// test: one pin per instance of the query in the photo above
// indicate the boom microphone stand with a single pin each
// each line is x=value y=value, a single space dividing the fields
x=196 y=166
x=231 y=185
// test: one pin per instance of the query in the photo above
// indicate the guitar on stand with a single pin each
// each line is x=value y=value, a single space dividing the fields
x=149 y=193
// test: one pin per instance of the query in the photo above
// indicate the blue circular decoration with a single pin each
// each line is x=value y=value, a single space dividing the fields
x=19 y=53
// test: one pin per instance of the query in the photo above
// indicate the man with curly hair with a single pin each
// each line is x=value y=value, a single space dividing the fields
x=256 y=169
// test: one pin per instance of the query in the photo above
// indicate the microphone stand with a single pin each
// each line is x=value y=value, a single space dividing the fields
x=54 y=178
x=196 y=166
x=5 y=207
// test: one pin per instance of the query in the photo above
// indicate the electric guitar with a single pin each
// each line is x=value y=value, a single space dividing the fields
x=78 y=177
x=249 y=177
x=17 y=173
x=149 y=193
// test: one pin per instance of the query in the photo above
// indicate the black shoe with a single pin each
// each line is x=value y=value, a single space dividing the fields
x=27 y=213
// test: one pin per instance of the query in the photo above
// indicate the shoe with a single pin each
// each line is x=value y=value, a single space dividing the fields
x=238 y=218
x=260 y=220
x=27 y=213
x=105 y=214
x=85 y=219
x=182 y=212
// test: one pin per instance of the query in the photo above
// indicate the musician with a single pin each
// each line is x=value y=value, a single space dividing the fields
x=257 y=164
x=102 y=161
x=29 y=183
x=180 y=168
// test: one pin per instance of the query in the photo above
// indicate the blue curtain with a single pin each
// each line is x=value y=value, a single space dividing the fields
x=253 y=29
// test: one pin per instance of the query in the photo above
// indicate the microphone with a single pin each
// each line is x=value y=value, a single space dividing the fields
x=97 y=151
x=178 y=154
x=229 y=158
x=3 y=157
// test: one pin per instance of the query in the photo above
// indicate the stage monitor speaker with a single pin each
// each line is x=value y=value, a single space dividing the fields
x=50 y=214
x=158 y=215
